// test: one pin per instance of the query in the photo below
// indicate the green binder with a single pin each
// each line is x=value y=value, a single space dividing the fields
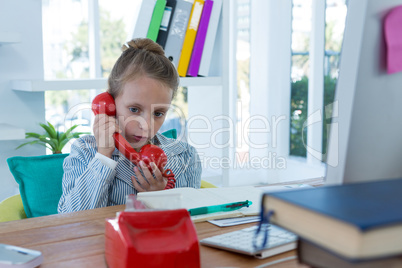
x=156 y=20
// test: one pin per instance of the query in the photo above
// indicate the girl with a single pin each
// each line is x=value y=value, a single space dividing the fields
x=143 y=83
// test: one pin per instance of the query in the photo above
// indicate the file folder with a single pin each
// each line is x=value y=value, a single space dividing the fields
x=177 y=30
x=166 y=22
x=144 y=19
x=199 y=42
x=156 y=20
x=189 y=38
x=210 y=39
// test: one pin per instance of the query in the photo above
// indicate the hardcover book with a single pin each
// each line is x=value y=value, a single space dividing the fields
x=357 y=221
x=316 y=256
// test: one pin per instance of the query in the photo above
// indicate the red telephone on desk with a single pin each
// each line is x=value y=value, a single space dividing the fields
x=161 y=238
x=104 y=104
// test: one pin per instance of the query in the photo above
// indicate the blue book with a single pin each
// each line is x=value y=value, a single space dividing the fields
x=357 y=221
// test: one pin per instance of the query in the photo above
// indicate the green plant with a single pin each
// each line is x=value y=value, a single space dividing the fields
x=52 y=139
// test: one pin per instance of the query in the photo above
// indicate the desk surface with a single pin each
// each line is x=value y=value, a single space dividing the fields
x=77 y=240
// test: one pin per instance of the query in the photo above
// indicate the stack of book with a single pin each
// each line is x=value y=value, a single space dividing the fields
x=186 y=29
x=351 y=225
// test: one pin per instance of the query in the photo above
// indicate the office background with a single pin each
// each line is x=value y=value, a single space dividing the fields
x=274 y=47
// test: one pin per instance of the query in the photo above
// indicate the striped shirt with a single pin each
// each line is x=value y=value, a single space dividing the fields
x=90 y=182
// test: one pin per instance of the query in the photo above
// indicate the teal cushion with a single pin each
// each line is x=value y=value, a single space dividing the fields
x=172 y=133
x=39 y=179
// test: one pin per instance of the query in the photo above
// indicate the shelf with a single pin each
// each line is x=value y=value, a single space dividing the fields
x=9 y=132
x=200 y=81
x=9 y=38
x=47 y=85
x=100 y=83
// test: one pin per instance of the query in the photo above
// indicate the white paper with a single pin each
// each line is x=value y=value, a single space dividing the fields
x=235 y=221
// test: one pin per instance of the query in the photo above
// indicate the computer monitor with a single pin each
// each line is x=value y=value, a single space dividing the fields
x=365 y=141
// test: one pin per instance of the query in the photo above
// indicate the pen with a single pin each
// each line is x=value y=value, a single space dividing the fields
x=219 y=208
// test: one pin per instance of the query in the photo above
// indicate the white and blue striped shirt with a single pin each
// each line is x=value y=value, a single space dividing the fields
x=89 y=182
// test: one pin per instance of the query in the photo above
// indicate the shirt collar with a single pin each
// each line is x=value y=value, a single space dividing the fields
x=169 y=146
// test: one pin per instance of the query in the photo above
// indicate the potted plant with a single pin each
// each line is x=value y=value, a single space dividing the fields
x=52 y=139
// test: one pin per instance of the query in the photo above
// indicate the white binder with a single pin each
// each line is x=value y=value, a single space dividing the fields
x=143 y=19
x=177 y=31
x=210 y=38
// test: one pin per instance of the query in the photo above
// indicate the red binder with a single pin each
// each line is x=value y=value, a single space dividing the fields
x=164 y=238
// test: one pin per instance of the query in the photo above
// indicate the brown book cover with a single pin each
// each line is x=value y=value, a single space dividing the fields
x=315 y=256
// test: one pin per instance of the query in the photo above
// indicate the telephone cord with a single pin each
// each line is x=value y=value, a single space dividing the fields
x=171 y=181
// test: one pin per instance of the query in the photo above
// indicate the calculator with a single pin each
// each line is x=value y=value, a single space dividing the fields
x=241 y=241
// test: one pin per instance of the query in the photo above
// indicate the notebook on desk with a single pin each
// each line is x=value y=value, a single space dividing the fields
x=193 y=198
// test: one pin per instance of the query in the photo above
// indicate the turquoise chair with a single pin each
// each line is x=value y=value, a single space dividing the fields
x=41 y=186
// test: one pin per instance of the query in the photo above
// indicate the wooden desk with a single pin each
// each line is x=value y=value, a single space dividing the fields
x=77 y=240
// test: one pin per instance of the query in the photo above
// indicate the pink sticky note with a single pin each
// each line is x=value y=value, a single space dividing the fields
x=393 y=39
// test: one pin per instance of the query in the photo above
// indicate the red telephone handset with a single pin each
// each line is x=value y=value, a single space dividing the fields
x=104 y=104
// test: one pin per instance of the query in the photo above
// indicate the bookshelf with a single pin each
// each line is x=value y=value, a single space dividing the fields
x=98 y=83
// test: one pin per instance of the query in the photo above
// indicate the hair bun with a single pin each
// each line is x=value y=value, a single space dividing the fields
x=145 y=44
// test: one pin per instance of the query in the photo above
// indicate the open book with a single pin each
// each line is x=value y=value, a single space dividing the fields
x=189 y=198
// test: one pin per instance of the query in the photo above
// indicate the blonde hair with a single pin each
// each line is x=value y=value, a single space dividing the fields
x=140 y=57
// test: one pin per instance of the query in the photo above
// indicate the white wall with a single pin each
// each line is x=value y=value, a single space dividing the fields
x=20 y=61
x=270 y=62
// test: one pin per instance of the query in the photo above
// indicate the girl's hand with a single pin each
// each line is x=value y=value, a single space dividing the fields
x=104 y=127
x=148 y=182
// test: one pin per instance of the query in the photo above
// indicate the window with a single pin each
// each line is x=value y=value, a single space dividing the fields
x=289 y=52
x=301 y=30
x=65 y=24
x=65 y=53
x=334 y=25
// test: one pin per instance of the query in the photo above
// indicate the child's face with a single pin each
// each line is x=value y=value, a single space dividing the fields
x=141 y=109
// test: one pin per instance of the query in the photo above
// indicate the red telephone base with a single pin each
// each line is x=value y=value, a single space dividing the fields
x=165 y=238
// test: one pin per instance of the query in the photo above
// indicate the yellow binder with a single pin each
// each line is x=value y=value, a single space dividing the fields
x=189 y=38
